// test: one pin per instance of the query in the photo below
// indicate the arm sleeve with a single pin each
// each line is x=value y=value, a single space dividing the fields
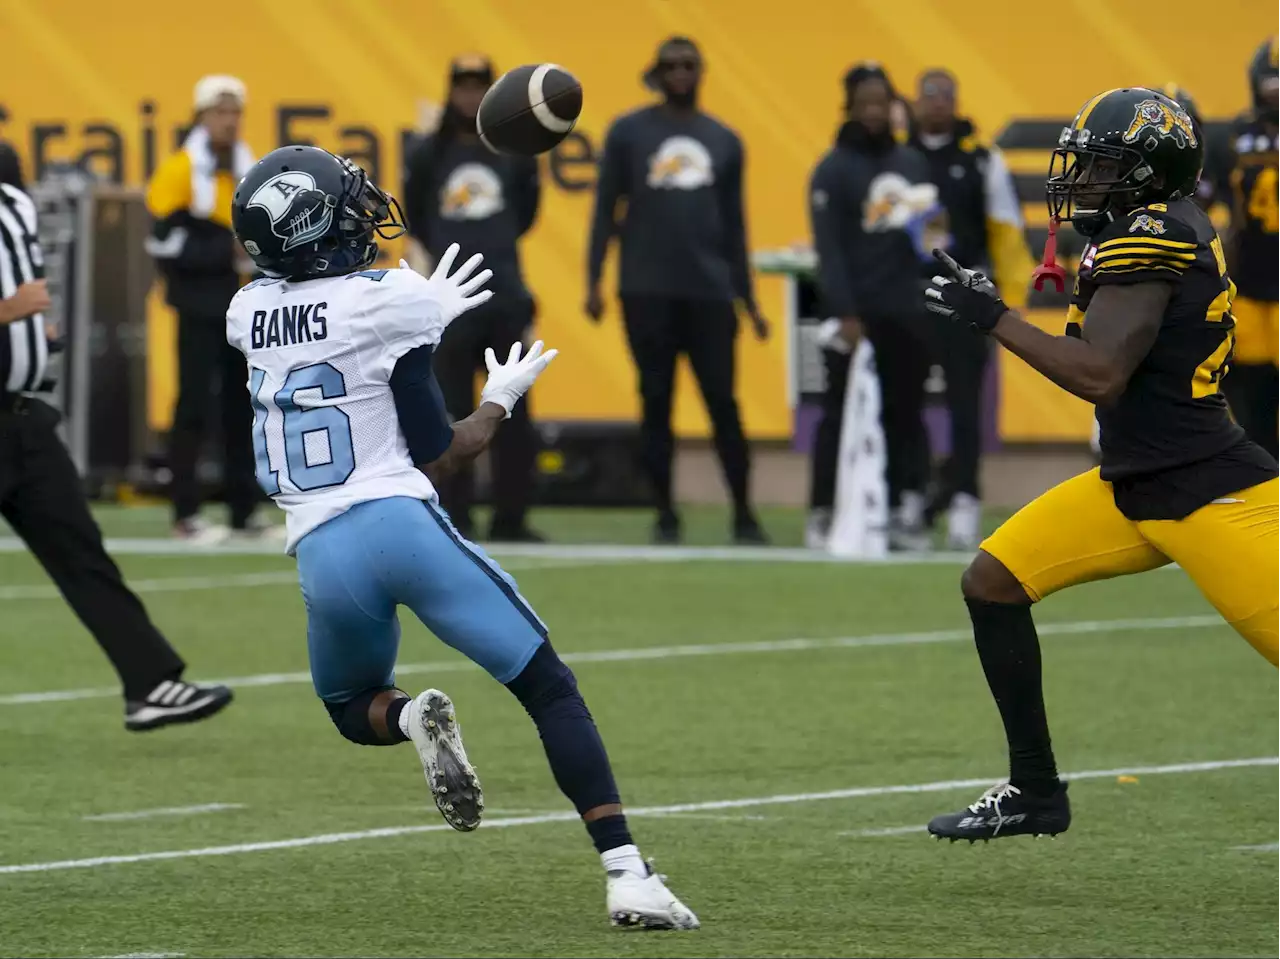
x=1007 y=251
x=831 y=222
x=527 y=190
x=420 y=408
x=735 y=220
x=610 y=188
x=416 y=191
x=178 y=240
x=1147 y=245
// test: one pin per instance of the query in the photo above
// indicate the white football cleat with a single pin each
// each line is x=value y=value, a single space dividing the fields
x=964 y=523
x=434 y=729
x=637 y=902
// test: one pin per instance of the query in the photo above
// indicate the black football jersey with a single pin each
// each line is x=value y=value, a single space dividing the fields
x=1255 y=189
x=1172 y=419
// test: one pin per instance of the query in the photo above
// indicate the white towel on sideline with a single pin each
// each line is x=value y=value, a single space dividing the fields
x=860 y=526
x=204 y=169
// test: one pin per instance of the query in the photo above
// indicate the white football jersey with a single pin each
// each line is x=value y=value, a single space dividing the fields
x=321 y=353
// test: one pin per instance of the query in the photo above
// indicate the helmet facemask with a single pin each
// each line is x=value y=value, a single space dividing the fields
x=1090 y=183
x=364 y=212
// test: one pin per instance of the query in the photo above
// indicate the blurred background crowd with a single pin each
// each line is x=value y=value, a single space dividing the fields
x=733 y=215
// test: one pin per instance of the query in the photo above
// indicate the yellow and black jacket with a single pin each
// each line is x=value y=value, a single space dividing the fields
x=189 y=199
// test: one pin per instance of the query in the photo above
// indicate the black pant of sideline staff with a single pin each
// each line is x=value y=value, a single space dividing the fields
x=902 y=364
x=206 y=360
x=964 y=354
x=460 y=355
x=659 y=329
x=42 y=499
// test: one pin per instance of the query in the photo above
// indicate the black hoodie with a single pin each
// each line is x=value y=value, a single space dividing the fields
x=866 y=266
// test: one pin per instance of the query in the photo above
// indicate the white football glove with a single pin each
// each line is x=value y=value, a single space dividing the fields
x=511 y=380
x=456 y=294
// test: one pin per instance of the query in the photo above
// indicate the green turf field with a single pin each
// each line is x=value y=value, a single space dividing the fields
x=792 y=705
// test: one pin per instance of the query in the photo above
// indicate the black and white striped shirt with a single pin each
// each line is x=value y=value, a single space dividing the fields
x=24 y=350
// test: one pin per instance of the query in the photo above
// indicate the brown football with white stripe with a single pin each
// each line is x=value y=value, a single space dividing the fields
x=529 y=109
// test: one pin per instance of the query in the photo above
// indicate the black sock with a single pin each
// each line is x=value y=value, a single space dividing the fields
x=1010 y=653
x=393 y=719
x=609 y=833
x=549 y=693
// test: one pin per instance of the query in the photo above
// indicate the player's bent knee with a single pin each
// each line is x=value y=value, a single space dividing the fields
x=351 y=716
x=989 y=580
x=544 y=680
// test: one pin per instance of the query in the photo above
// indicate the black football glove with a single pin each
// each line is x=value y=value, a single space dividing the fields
x=966 y=296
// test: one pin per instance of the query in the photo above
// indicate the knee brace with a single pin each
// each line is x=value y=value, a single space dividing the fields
x=351 y=716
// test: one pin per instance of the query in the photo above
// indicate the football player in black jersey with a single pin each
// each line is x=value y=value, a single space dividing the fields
x=1148 y=339
x=1253 y=253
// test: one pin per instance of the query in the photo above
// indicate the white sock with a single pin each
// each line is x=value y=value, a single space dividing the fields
x=404 y=719
x=624 y=857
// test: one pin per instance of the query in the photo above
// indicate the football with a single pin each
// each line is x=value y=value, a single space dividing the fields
x=529 y=109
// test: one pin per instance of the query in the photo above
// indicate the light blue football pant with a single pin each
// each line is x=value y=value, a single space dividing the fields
x=357 y=568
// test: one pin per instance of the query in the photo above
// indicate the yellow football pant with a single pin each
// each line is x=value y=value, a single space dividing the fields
x=1257 y=331
x=1231 y=548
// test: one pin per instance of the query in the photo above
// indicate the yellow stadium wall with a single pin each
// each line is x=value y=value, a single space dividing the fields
x=75 y=73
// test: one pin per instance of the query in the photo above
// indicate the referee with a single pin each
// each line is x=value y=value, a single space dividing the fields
x=41 y=495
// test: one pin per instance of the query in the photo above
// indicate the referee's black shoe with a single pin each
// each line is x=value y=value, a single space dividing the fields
x=174 y=701
x=1006 y=810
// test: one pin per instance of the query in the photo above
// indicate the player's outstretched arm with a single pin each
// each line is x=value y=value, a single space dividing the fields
x=1121 y=324
x=1119 y=328
x=507 y=383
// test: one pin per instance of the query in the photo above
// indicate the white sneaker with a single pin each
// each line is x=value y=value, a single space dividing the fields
x=260 y=531
x=907 y=532
x=198 y=532
x=636 y=902
x=964 y=522
x=434 y=729
x=818 y=529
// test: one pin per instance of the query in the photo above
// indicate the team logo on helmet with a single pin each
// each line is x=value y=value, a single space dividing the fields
x=1147 y=223
x=299 y=212
x=1164 y=119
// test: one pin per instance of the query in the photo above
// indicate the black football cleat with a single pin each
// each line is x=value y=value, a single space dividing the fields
x=175 y=701
x=666 y=530
x=1005 y=810
x=748 y=532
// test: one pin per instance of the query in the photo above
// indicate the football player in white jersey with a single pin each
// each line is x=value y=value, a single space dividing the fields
x=349 y=429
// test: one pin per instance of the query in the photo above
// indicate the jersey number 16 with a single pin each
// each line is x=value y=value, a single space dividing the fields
x=318 y=451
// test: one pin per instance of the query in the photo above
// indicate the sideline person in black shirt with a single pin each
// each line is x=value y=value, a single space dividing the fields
x=873 y=211
x=457 y=190
x=683 y=264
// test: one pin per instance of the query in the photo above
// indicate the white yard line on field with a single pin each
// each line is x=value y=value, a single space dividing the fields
x=148 y=955
x=670 y=652
x=165 y=811
x=1264 y=847
x=182 y=584
x=590 y=553
x=864 y=792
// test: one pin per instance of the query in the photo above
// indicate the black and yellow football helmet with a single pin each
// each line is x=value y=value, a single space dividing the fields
x=1185 y=100
x=1264 y=80
x=1126 y=148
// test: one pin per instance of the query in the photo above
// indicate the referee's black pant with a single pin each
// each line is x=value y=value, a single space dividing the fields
x=42 y=499
x=211 y=371
x=659 y=329
x=496 y=324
